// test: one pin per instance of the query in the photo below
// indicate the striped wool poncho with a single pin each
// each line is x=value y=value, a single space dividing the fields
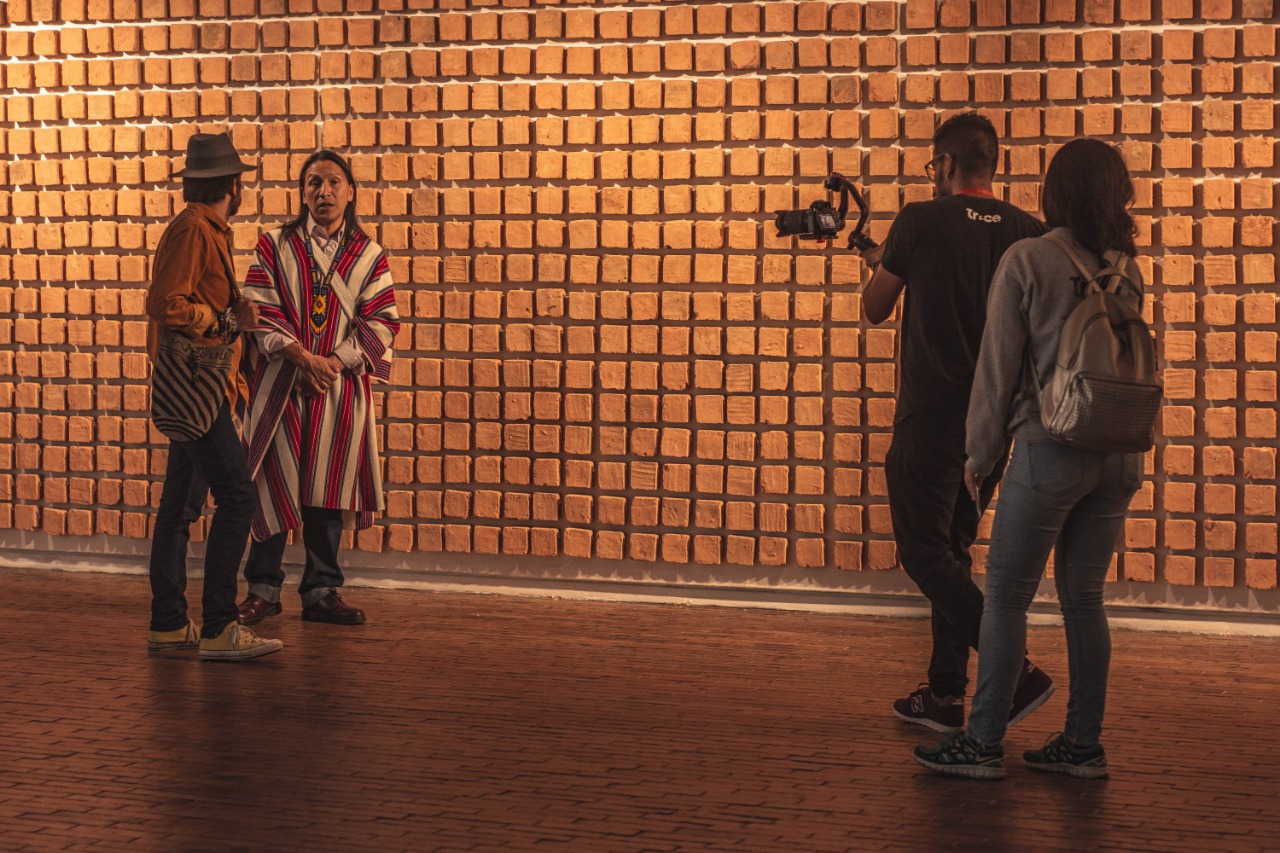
x=319 y=451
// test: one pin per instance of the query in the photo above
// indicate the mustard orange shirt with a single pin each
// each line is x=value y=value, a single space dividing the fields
x=189 y=285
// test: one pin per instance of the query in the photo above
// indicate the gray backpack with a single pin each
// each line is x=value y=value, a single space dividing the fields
x=1105 y=390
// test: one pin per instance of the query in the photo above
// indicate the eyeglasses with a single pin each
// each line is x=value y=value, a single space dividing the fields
x=931 y=168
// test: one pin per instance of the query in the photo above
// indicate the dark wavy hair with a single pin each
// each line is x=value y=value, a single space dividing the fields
x=352 y=223
x=1087 y=190
x=970 y=139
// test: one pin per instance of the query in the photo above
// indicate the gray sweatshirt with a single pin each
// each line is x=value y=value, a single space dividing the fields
x=1035 y=287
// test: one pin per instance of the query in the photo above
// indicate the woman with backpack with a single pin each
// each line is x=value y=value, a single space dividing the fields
x=1055 y=496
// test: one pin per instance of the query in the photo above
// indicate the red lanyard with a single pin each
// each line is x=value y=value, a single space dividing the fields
x=987 y=193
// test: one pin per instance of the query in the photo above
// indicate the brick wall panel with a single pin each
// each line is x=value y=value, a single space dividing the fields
x=608 y=353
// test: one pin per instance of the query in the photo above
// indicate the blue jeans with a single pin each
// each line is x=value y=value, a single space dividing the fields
x=1074 y=502
x=216 y=463
x=321 y=537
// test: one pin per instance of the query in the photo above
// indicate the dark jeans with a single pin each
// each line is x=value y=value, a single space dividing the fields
x=321 y=536
x=934 y=523
x=213 y=463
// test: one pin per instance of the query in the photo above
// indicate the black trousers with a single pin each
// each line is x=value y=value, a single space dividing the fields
x=321 y=537
x=216 y=463
x=934 y=523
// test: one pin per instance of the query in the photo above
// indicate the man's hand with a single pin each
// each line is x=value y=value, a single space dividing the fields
x=320 y=370
x=317 y=375
x=973 y=482
x=246 y=313
x=308 y=387
x=315 y=372
x=871 y=257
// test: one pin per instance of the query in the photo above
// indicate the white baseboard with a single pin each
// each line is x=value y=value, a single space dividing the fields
x=1145 y=607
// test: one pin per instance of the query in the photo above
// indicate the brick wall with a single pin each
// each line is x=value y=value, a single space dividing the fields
x=609 y=355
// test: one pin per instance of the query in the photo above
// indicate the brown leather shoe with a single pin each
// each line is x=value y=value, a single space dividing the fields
x=255 y=608
x=334 y=610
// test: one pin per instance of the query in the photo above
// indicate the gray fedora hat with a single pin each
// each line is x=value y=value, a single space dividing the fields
x=211 y=155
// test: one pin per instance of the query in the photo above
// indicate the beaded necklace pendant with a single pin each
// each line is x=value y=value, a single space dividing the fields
x=319 y=314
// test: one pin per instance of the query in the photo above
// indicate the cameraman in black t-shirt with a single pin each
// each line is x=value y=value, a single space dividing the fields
x=943 y=254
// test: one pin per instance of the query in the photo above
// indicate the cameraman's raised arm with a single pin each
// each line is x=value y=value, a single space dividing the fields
x=882 y=292
x=889 y=261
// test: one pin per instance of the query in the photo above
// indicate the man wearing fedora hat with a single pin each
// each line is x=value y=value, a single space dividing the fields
x=193 y=293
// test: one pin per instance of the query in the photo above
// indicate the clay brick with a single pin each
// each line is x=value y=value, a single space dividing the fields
x=1260 y=574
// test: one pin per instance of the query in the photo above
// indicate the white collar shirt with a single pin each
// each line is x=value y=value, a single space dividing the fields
x=328 y=245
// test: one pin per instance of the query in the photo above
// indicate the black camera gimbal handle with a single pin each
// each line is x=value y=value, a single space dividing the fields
x=839 y=183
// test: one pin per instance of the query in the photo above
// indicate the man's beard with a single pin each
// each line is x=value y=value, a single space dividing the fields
x=235 y=201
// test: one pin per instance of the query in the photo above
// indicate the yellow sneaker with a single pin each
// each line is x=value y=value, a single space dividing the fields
x=237 y=643
x=174 y=641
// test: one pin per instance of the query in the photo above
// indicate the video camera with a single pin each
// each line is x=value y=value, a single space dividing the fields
x=822 y=221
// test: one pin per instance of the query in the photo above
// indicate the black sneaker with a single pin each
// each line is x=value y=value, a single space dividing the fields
x=1059 y=755
x=960 y=755
x=1033 y=690
x=944 y=714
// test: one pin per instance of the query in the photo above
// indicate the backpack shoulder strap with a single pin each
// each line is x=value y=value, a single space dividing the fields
x=1120 y=277
x=1071 y=254
x=1112 y=278
x=1088 y=277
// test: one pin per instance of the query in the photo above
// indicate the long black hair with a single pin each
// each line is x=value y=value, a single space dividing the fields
x=1087 y=190
x=351 y=225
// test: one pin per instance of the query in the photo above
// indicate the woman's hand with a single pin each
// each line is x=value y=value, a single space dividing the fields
x=973 y=482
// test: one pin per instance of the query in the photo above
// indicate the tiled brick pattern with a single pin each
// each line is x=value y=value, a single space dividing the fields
x=610 y=355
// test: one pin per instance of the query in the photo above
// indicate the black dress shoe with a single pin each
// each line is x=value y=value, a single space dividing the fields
x=334 y=610
x=255 y=608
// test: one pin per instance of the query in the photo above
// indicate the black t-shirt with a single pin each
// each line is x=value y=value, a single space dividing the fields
x=947 y=251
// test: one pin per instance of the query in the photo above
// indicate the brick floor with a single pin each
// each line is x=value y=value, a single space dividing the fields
x=478 y=723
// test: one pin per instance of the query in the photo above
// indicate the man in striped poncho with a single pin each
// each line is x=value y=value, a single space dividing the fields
x=328 y=313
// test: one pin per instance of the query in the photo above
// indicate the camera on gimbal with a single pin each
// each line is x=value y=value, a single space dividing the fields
x=823 y=221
